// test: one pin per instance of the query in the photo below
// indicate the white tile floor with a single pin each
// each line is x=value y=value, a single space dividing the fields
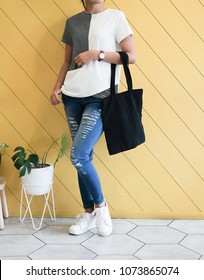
x=132 y=239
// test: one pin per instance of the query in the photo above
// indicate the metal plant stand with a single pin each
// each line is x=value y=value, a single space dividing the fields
x=46 y=205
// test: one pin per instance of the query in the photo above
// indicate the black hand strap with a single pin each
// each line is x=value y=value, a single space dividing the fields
x=125 y=62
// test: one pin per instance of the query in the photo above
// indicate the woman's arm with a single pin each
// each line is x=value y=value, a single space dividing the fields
x=54 y=98
x=127 y=45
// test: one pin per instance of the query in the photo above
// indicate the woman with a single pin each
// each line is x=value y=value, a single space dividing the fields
x=92 y=40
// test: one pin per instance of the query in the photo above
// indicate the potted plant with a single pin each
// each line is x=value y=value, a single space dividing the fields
x=3 y=147
x=37 y=175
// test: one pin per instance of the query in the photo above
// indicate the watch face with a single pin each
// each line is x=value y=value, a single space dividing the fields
x=102 y=55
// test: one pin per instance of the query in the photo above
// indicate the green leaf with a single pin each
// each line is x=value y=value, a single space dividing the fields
x=28 y=166
x=64 y=144
x=19 y=148
x=3 y=145
x=18 y=164
x=22 y=171
x=33 y=158
x=17 y=155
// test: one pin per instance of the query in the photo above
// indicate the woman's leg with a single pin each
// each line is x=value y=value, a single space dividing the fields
x=85 y=133
x=74 y=108
x=88 y=133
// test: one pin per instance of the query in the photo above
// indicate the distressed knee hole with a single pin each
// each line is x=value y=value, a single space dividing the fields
x=90 y=121
x=79 y=166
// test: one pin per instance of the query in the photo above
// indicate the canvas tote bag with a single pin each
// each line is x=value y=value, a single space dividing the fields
x=122 y=114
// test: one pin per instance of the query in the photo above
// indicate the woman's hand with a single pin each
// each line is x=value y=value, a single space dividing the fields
x=85 y=57
x=54 y=98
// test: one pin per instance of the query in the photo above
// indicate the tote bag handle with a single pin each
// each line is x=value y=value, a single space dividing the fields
x=125 y=62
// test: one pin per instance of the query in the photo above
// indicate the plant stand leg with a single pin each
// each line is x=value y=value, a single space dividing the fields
x=53 y=216
x=23 y=192
x=28 y=209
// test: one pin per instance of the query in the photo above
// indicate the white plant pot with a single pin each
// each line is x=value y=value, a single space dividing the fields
x=39 y=181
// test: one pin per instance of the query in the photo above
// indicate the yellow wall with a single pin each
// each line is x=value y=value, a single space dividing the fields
x=164 y=178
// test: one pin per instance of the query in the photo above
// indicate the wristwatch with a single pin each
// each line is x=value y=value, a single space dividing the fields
x=101 y=56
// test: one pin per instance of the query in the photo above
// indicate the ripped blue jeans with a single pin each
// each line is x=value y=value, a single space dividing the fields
x=85 y=124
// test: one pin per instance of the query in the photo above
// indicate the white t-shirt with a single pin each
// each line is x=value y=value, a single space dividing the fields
x=102 y=31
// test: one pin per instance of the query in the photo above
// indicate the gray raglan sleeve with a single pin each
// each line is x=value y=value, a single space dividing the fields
x=67 y=36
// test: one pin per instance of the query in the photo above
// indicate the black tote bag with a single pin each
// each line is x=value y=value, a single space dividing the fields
x=122 y=114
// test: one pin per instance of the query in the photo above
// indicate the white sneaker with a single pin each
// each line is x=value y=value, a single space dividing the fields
x=85 y=222
x=103 y=221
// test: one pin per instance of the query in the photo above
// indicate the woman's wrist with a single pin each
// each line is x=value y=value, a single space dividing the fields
x=95 y=54
x=111 y=57
x=57 y=87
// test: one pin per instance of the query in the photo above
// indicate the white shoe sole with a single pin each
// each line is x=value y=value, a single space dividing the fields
x=80 y=232
x=104 y=234
x=72 y=232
